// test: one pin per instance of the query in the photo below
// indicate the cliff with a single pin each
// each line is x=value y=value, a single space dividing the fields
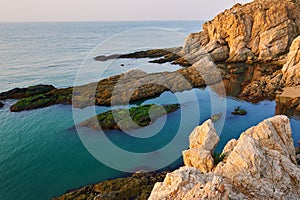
x=262 y=30
x=261 y=164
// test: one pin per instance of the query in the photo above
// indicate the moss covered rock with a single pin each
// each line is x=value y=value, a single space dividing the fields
x=138 y=187
x=128 y=119
x=57 y=96
x=19 y=93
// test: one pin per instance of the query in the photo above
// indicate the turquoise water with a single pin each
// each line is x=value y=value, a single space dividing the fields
x=43 y=156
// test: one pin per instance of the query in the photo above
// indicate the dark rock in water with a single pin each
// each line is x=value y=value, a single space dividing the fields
x=152 y=53
x=18 y=93
x=1 y=104
x=106 y=58
x=138 y=186
x=239 y=111
x=138 y=117
x=122 y=65
x=57 y=96
x=165 y=55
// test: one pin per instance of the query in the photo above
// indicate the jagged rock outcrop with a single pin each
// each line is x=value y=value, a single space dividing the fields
x=258 y=31
x=203 y=141
x=261 y=164
x=271 y=85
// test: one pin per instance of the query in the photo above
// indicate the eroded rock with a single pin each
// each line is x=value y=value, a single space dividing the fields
x=261 y=164
x=258 y=31
x=291 y=70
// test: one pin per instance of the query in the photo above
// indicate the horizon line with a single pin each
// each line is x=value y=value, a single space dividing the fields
x=74 y=21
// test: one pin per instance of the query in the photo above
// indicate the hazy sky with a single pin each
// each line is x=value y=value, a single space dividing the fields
x=116 y=10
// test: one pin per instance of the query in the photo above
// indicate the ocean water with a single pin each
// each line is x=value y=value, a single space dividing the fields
x=42 y=155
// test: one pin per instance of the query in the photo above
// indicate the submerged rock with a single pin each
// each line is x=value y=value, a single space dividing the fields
x=1 y=104
x=261 y=164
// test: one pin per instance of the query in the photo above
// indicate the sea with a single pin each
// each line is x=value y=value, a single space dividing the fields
x=43 y=154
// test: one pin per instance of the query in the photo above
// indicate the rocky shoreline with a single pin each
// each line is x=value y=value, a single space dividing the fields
x=261 y=164
x=255 y=53
x=138 y=186
x=256 y=48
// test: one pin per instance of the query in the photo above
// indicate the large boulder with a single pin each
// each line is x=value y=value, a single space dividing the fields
x=258 y=31
x=261 y=164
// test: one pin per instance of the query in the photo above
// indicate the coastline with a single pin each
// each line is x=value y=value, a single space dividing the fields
x=248 y=75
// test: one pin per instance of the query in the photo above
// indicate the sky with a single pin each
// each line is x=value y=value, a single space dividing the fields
x=110 y=10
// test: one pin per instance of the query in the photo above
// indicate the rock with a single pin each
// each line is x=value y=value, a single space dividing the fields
x=239 y=111
x=288 y=102
x=203 y=141
x=291 y=70
x=204 y=137
x=188 y=183
x=261 y=164
x=261 y=30
x=138 y=186
x=152 y=53
x=198 y=158
x=132 y=86
x=298 y=159
x=266 y=87
x=129 y=119
x=56 y=96
x=1 y=104
x=18 y=93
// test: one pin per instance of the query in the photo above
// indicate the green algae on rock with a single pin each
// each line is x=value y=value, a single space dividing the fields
x=140 y=116
x=57 y=96
x=18 y=93
x=138 y=186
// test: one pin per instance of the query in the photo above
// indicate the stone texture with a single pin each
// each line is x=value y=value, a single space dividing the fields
x=259 y=31
x=203 y=141
x=261 y=164
x=188 y=183
x=204 y=137
x=291 y=70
